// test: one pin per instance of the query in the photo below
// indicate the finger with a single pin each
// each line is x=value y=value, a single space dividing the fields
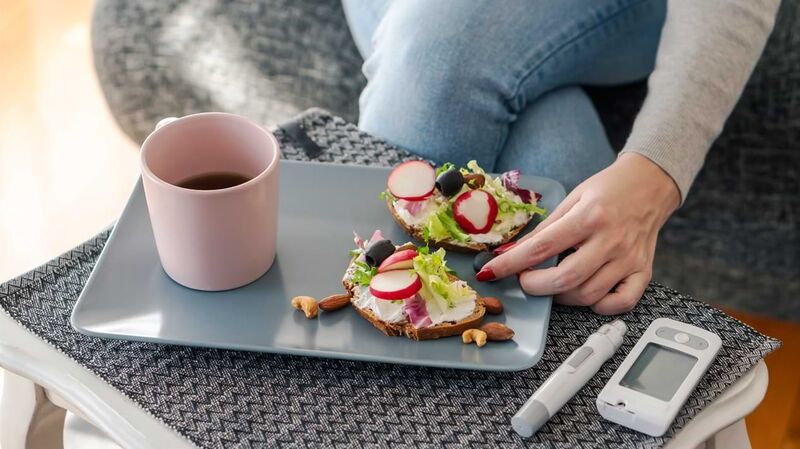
x=597 y=286
x=625 y=297
x=573 y=271
x=564 y=233
x=559 y=212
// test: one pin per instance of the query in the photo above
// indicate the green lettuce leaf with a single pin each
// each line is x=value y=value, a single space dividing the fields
x=511 y=206
x=363 y=273
x=442 y=226
x=507 y=201
x=443 y=168
x=436 y=284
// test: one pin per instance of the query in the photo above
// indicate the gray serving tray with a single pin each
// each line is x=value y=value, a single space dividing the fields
x=129 y=296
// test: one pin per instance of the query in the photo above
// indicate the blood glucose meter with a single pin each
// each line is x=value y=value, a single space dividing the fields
x=655 y=379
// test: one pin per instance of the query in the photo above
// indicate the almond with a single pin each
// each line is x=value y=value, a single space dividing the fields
x=493 y=305
x=334 y=302
x=497 y=332
x=474 y=180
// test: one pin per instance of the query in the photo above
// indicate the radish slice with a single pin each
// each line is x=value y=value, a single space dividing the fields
x=403 y=259
x=475 y=211
x=413 y=180
x=397 y=284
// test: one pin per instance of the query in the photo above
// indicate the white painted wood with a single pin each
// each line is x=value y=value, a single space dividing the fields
x=731 y=437
x=81 y=434
x=16 y=410
x=123 y=421
x=732 y=405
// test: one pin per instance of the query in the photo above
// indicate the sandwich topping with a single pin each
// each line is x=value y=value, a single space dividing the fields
x=410 y=284
x=460 y=205
x=389 y=311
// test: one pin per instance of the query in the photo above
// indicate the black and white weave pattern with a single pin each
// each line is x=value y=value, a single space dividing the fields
x=219 y=398
x=342 y=141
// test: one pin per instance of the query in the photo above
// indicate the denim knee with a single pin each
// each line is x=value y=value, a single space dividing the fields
x=446 y=78
x=428 y=91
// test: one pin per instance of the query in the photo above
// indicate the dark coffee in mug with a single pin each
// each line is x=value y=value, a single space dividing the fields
x=213 y=181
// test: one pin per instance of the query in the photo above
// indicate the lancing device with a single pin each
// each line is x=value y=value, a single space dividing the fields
x=569 y=378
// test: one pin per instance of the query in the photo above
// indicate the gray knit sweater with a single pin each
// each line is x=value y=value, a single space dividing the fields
x=707 y=51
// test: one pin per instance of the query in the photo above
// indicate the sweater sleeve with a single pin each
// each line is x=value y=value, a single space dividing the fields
x=707 y=51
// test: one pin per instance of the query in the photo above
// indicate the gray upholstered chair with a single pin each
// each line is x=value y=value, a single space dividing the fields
x=735 y=241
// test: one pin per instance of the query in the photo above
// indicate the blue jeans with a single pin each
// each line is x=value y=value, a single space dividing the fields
x=499 y=81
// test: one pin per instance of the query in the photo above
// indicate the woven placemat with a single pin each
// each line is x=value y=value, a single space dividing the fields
x=218 y=398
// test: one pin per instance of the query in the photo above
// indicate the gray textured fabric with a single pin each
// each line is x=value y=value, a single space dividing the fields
x=734 y=242
x=161 y=58
x=342 y=142
x=218 y=398
x=707 y=51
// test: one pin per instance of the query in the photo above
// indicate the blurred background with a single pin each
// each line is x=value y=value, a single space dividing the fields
x=65 y=167
x=66 y=170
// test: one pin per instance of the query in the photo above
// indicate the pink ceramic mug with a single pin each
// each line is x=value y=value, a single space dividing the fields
x=212 y=239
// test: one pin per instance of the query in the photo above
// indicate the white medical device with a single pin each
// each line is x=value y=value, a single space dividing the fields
x=569 y=378
x=655 y=379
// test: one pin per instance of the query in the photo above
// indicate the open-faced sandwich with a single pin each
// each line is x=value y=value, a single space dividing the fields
x=460 y=209
x=405 y=290
x=409 y=291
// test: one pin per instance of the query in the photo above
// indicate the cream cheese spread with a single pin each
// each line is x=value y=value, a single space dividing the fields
x=489 y=237
x=388 y=311
x=394 y=311
x=430 y=205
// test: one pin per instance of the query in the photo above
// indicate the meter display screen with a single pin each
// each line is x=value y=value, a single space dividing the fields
x=658 y=371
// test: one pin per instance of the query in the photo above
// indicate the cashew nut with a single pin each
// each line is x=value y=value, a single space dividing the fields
x=307 y=304
x=476 y=335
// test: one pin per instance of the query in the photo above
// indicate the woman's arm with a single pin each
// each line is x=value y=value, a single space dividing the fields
x=708 y=49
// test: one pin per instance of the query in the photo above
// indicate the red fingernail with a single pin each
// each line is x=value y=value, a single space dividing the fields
x=503 y=248
x=486 y=274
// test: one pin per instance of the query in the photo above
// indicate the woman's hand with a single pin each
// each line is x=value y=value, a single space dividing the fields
x=613 y=219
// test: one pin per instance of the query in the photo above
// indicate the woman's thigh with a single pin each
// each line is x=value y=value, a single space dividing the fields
x=559 y=136
x=447 y=78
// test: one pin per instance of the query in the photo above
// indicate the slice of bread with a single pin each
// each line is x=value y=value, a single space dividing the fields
x=405 y=328
x=453 y=245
